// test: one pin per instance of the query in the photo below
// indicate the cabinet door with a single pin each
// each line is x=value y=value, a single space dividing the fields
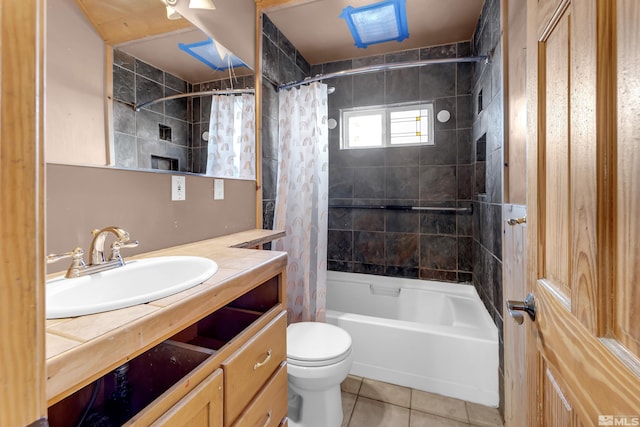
x=248 y=369
x=202 y=407
x=269 y=408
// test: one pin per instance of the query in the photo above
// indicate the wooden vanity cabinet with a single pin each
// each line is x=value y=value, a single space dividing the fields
x=227 y=367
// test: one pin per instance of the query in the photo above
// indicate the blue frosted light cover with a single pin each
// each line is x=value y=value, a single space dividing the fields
x=206 y=52
x=377 y=23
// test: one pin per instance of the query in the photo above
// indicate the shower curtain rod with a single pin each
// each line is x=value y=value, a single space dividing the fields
x=201 y=93
x=407 y=208
x=384 y=67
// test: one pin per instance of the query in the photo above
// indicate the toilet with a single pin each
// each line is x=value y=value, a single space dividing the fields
x=318 y=360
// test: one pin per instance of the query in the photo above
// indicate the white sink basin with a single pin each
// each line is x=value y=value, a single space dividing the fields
x=137 y=282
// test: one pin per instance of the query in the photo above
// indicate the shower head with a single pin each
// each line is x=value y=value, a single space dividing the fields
x=330 y=90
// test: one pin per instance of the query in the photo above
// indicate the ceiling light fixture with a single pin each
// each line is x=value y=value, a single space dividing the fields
x=202 y=4
x=172 y=14
x=195 y=4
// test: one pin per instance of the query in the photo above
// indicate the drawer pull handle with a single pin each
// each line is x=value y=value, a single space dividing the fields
x=266 y=359
x=266 y=423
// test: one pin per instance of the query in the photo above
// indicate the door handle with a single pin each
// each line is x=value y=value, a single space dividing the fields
x=517 y=307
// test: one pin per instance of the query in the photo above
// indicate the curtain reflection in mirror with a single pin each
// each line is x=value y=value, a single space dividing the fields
x=231 y=144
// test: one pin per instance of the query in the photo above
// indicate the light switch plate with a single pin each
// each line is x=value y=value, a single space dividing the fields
x=218 y=189
x=178 y=188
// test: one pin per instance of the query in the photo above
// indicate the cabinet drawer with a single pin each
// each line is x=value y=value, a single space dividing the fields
x=269 y=408
x=247 y=370
x=202 y=407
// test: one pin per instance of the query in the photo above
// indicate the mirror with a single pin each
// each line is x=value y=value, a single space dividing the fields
x=147 y=63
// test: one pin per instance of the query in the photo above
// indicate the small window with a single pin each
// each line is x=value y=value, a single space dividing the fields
x=390 y=126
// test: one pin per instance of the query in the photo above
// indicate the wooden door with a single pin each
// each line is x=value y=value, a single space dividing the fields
x=583 y=208
x=22 y=368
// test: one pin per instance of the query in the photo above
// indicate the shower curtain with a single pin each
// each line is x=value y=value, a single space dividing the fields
x=302 y=198
x=230 y=151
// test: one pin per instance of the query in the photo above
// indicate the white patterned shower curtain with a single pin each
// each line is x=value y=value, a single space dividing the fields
x=231 y=148
x=302 y=198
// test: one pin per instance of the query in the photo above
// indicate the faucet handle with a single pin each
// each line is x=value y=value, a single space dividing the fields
x=77 y=261
x=117 y=245
x=75 y=254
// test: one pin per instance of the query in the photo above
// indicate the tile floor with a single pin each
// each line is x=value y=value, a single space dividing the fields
x=369 y=403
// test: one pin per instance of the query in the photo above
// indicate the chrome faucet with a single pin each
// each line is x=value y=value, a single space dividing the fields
x=98 y=263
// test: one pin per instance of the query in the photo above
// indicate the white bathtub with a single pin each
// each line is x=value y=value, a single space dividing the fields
x=431 y=336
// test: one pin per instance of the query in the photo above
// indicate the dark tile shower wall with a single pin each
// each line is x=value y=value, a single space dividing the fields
x=281 y=63
x=137 y=134
x=404 y=243
x=488 y=137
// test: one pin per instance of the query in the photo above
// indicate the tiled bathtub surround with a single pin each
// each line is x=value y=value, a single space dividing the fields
x=404 y=243
x=136 y=134
x=488 y=152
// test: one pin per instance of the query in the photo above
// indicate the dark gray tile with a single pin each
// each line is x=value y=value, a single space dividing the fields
x=126 y=153
x=149 y=90
x=341 y=182
x=494 y=177
x=403 y=156
x=464 y=79
x=438 y=183
x=437 y=81
x=175 y=83
x=436 y=52
x=368 y=219
x=402 y=221
x=124 y=85
x=402 y=182
x=269 y=177
x=465 y=254
x=340 y=219
x=147 y=124
x=340 y=266
x=399 y=271
x=440 y=275
x=443 y=152
x=438 y=223
x=368 y=183
x=285 y=45
x=438 y=252
x=179 y=131
x=343 y=95
x=400 y=85
x=149 y=71
x=268 y=211
x=269 y=29
x=339 y=245
x=270 y=60
x=124 y=60
x=368 y=89
x=176 y=108
x=463 y=49
x=368 y=247
x=363 y=268
x=465 y=112
x=401 y=249
x=465 y=146
x=124 y=119
x=466 y=182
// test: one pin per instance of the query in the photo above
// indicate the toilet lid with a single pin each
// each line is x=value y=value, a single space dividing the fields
x=316 y=344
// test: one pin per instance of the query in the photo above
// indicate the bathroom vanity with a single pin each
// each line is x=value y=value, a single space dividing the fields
x=213 y=355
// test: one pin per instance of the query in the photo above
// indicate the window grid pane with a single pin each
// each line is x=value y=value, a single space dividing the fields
x=391 y=126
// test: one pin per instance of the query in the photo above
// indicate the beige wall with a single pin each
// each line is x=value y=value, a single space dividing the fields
x=80 y=199
x=74 y=87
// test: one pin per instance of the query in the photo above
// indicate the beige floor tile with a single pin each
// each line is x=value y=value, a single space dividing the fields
x=348 y=403
x=372 y=413
x=422 y=419
x=439 y=405
x=483 y=416
x=351 y=384
x=385 y=392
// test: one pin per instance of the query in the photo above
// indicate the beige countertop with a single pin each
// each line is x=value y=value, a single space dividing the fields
x=81 y=349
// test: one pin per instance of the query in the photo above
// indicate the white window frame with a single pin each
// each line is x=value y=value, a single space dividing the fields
x=385 y=111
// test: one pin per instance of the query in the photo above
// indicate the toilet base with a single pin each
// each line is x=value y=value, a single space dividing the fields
x=315 y=408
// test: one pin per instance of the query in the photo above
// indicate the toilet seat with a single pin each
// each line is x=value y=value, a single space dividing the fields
x=316 y=344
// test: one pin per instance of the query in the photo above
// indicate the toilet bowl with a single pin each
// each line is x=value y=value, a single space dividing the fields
x=318 y=360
